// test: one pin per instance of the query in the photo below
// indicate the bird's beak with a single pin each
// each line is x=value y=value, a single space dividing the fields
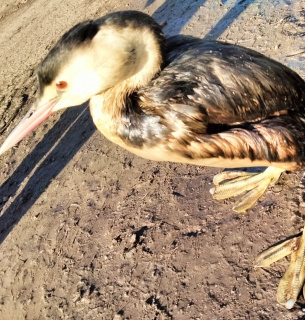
x=36 y=115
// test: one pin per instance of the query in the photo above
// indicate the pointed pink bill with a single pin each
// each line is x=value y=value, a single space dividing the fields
x=35 y=116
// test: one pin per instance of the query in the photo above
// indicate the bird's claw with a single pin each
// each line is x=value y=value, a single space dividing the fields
x=293 y=280
x=251 y=186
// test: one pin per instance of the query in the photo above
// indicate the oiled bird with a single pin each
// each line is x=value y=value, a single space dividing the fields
x=185 y=100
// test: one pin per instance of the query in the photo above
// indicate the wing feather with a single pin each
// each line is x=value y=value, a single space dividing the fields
x=227 y=84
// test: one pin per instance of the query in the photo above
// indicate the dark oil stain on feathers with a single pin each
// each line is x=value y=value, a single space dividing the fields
x=223 y=96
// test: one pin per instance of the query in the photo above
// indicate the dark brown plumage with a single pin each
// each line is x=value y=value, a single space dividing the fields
x=234 y=101
x=185 y=100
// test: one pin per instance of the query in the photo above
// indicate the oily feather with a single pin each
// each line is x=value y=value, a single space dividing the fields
x=218 y=100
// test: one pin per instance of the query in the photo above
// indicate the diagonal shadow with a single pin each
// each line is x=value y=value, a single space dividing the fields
x=239 y=7
x=170 y=6
x=185 y=15
x=52 y=165
x=61 y=151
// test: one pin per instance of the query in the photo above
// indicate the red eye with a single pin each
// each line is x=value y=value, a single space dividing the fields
x=61 y=85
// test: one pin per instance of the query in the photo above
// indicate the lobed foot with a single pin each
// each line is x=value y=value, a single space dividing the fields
x=251 y=186
x=293 y=280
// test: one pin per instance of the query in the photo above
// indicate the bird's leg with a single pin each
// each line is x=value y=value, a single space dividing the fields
x=253 y=185
x=250 y=185
x=293 y=280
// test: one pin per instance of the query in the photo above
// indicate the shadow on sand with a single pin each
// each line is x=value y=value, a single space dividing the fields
x=61 y=150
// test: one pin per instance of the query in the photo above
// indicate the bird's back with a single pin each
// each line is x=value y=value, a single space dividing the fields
x=227 y=82
x=217 y=100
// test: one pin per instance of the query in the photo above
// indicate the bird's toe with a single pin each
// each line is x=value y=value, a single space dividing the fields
x=250 y=185
x=293 y=280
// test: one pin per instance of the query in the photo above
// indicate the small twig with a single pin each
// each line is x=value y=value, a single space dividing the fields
x=295 y=54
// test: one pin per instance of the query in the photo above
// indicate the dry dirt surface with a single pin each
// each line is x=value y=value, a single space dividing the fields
x=90 y=231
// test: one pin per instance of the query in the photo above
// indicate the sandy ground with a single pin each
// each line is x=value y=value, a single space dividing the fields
x=90 y=231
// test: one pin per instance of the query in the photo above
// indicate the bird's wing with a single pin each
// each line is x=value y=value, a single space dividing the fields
x=219 y=100
x=224 y=84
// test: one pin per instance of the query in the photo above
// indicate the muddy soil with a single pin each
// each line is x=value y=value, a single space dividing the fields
x=90 y=231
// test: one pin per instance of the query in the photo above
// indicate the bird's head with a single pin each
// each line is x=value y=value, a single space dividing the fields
x=94 y=56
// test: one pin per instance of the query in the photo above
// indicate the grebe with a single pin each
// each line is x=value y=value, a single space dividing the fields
x=186 y=100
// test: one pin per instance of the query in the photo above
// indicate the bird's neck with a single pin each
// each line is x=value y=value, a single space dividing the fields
x=145 y=59
x=108 y=110
x=145 y=62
